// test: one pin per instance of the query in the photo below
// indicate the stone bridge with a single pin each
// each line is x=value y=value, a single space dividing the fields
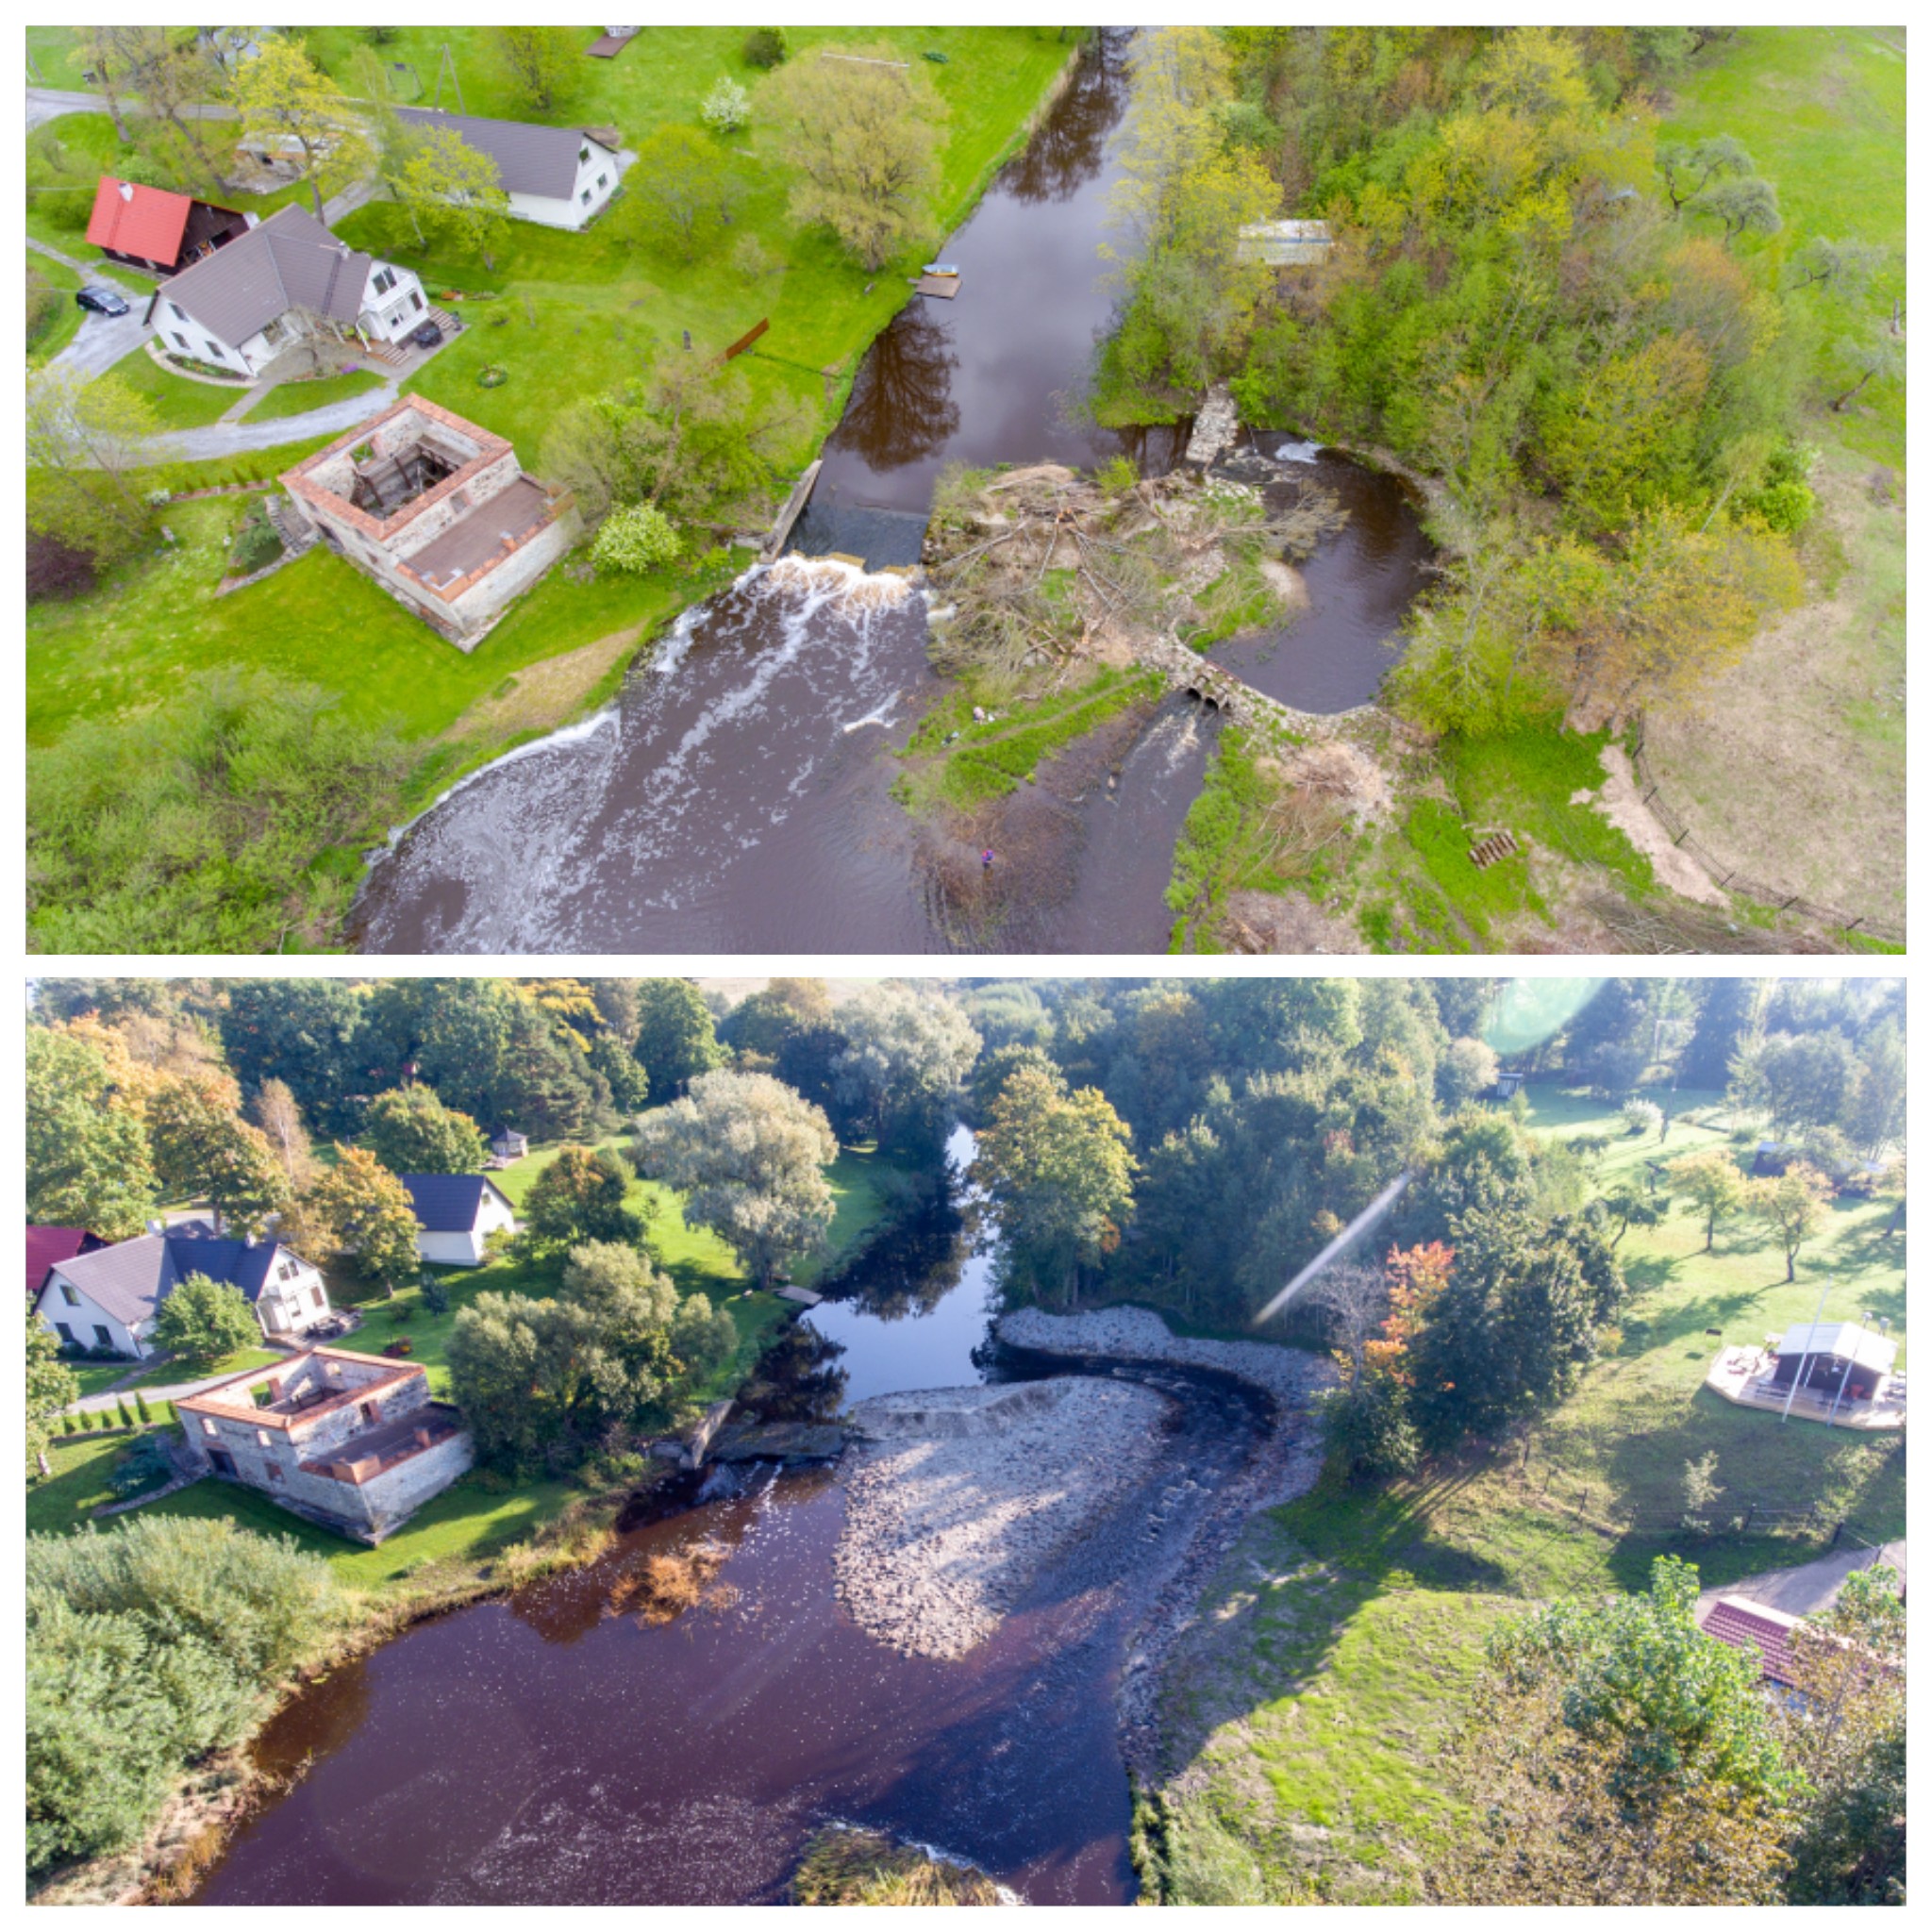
x=1218 y=689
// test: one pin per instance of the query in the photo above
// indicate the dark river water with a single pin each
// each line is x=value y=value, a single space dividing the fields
x=735 y=796
x=546 y=1748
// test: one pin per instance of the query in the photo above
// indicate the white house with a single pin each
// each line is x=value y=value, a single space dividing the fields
x=109 y=1297
x=456 y=1215
x=287 y=281
x=557 y=176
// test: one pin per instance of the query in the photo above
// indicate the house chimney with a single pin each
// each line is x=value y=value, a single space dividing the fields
x=126 y=191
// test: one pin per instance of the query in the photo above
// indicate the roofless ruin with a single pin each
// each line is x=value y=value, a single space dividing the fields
x=438 y=512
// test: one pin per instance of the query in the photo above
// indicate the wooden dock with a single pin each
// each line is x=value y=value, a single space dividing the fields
x=943 y=287
x=794 y=509
x=805 y=1297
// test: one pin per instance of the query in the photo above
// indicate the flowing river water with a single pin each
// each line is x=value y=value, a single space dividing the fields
x=542 y=1748
x=735 y=797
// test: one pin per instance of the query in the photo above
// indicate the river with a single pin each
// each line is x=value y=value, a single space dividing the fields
x=735 y=797
x=542 y=1748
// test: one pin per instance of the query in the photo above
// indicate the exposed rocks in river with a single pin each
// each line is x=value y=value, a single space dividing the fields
x=846 y=1865
x=959 y=1496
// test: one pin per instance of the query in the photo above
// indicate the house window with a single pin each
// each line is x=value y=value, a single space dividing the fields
x=221 y=1461
x=603 y=180
x=68 y=1295
x=273 y=1471
x=584 y=152
x=585 y=197
x=102 y=1339
x=316 y=1295
x=372 y=1412
x=180 y=313
x=289 y=1270
x=208 y=1426
x=180 y=340
x=384 y=281
x=216 y=353
x=415 y=300
x=262 y=1439
x=66 y=1334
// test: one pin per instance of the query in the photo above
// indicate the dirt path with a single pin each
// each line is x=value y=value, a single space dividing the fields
x=1622 y=802
x=543 y=695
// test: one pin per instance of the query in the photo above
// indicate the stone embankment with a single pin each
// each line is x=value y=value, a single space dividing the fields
x=959 y=1497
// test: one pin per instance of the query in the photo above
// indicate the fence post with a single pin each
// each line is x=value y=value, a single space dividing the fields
x=1837 y=1531
x=1750 y=1511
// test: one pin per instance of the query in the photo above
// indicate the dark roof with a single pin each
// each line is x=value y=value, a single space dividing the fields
x=529 y=160
x=290 y=261
x=1750 y=1626
x=47 y=1245
x=448 y=1203
x=131 y=1279
x=134 y=219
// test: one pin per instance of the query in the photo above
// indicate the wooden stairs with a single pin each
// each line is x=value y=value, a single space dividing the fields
x=1486 y=851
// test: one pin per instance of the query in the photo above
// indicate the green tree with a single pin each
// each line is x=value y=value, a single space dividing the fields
x=544 y=1085
x=676 y=1039
x=581 y=1196
x=204 y=1150
x=1511 y=1330
x=51 y=1385
x=1845 y=1735
x=860 y=129
x=1058 y=1166
x=201 y=1321
x=453 y=195
x=749 y=1155
x=1614 y=1755
x=1746 y=207
x=541 y=65
x=1689 y=168
x=693 y=197
x=301 y=1031
x=1793 y=1207
x=635 y=1307
x=410 y=1131
x=904 y=1056
x=1711 y=1181
x=87 y=1154
x=359 y=1210
x=86 y=440
x=288 y=104
x=637 y=538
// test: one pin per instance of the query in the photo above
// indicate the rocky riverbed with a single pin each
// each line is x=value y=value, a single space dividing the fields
x=959 y=1497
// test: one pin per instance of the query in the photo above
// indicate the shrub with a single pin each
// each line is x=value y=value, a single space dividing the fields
x=751 y=260
x=637 y=538
x=766 y=47
x=140 y=1466
x=727 y=108
x=434 y=1294
x=1643 y=1117
x=256 y=545
x=140 y=1407
x=1117 y=476
x=56 y=570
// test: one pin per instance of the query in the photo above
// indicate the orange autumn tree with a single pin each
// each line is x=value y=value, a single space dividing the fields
x=1365 y=1421
x=1416 y=1275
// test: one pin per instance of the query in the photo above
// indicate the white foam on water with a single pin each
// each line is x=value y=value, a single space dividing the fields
x=881 y=715
x=1297 y=452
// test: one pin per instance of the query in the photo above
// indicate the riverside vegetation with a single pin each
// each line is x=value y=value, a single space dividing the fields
x=1637 y=389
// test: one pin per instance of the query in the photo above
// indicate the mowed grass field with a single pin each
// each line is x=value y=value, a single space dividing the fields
x=1792 y=765
x=1341 y=1639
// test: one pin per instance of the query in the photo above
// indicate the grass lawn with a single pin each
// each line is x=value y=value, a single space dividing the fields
x=64 y=322
x=179 y=402
x=318 y=392
x=243 y=1359
x=1317 y=1703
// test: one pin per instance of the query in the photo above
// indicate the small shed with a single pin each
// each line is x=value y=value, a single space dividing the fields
x=509 y=1144
x=1836 y=1359
x=1508 y=1085
x=1770 y=1159
x=1285 y=244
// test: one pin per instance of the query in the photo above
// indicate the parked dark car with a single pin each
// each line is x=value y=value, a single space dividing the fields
x=102 y=299
x=426 y=335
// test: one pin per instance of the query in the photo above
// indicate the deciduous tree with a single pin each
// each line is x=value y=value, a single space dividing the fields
x=454 y=196
x=410 y=1131
x=904 y=1056
x=86 y=440
x=204 y=1150
x=1711 y=1181
x=360 y=1212
x=51 y=1385
x=581 y=1196
x=693 y=195
x=278 y=1116
x=289 y=105
x=201 y=1321
x=1793 y=1207
x=750 y=1156
x=863 y=129
x=88 y=1164
x=543 y=65
x=676 y=1039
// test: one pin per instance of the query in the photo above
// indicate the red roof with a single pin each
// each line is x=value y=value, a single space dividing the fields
x=49 y=1246
x=1749 y=1627
x=133 y=220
